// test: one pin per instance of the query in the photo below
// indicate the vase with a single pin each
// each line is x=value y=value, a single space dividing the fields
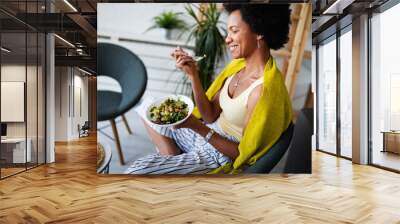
x=168 y=34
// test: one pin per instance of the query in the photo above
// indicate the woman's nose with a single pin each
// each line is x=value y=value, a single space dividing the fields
x=228 y=39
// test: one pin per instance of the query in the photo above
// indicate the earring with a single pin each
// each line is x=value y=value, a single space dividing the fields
x=258 y=41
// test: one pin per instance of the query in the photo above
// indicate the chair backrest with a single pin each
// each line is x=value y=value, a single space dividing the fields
x=267 y=162
x=125 y=67
x=86 y=125
x=299 y=153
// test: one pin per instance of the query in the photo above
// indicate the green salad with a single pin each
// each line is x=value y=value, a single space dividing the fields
x=169 y=111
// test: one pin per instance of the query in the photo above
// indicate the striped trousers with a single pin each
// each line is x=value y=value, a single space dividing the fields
x=197 y=157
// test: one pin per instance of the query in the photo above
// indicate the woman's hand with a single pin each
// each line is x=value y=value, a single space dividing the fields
x=225 y=146
x=191 y=123
x=208 y=110
x=185 y=62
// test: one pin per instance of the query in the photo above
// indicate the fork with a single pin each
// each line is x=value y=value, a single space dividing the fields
x=199 y=58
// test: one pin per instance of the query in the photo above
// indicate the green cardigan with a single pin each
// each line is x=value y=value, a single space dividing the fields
x=270 y=118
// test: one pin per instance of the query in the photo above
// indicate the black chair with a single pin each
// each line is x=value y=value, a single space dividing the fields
x=292 y=152
x=268 y=161
x=125 y=67
x=84 y=129
x=298 y=158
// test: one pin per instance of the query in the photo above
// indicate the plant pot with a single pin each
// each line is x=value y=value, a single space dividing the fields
x=171 y=34
x=168 y=34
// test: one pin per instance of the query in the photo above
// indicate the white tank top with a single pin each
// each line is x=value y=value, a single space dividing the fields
x=234 y=110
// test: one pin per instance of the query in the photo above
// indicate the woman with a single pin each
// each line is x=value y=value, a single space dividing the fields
x=244 y=111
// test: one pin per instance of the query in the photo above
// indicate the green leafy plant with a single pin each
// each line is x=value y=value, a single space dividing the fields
x=168 y=20
x=208 y=33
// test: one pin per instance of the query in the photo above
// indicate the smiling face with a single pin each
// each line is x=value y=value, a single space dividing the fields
x=241 y=41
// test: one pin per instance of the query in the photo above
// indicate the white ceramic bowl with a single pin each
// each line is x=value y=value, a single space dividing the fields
x=157 y=102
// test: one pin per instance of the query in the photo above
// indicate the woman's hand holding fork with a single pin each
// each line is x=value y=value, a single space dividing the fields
x=185 y=62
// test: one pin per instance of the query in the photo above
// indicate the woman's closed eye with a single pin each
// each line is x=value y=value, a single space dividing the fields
x=230 y=33
x=234 y=31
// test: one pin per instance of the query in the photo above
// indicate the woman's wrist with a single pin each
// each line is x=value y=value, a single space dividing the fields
x=194 y=76
x=195 y=80
x=201 y=129
x=196 y=85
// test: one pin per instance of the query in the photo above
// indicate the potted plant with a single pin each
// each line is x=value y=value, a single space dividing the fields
x=208 y=33
x=168 y=20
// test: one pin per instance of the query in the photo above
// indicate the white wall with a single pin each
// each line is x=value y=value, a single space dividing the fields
x=61 y=103
x=121 y=19
x=85 y=98
x=80 y=108
x=33 y=126
x=12 y=73
x=70 y=83
x=17 y=73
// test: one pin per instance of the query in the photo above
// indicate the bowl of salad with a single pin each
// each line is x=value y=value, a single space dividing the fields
x=169 y=110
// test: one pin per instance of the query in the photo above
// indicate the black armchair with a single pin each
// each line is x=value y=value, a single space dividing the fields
x=125 y=67
x=84 y=129
x=292 y=152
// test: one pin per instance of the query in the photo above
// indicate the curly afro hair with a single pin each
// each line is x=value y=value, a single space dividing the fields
x=271 y=21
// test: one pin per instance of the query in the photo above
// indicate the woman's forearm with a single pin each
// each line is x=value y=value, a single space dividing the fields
x=223 y=145
x=204 y=105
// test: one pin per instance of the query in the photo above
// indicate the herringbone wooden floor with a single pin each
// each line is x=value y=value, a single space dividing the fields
x=70 y=191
